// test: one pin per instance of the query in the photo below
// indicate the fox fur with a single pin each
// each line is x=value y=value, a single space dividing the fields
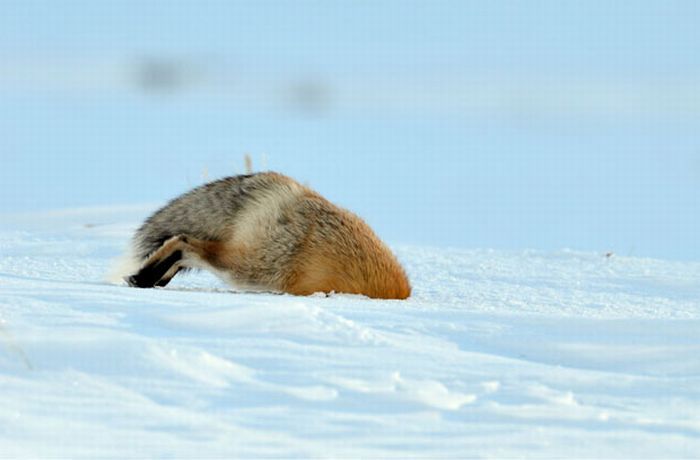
x=266 y=231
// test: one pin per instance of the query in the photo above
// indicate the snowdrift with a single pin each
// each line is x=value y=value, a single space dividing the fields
x=496 y=354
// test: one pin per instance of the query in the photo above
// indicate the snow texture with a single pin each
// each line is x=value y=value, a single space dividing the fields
x=496 y=354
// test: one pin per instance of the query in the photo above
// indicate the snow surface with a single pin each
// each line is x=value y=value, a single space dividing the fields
x=496 y=354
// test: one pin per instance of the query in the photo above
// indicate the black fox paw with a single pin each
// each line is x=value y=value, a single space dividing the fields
x=134 y=281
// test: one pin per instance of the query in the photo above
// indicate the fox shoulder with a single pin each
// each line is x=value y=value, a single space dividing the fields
x=342 y=253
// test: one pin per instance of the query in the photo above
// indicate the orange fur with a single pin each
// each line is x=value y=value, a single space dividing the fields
x=349 y=259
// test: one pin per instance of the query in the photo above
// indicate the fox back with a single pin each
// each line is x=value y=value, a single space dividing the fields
x=266 y=231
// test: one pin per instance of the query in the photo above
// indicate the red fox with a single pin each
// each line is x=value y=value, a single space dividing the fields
x=266 y=231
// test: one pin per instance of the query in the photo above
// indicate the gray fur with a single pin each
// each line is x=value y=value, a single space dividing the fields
x=203 y=213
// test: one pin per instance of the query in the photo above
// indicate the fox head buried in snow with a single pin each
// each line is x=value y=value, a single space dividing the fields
x=266 y=231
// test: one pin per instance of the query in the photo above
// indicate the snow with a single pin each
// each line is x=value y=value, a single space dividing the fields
x=496 y=354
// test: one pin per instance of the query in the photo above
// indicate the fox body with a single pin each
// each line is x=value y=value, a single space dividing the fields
x=266 y=231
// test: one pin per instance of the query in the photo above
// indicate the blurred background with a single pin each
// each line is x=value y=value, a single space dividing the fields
x=474 y=124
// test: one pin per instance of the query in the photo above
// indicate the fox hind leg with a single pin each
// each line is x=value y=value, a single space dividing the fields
x=156 y=267
x=174 y=270
x=175 y=254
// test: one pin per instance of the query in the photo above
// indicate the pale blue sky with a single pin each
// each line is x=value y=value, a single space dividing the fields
x=593 y=37
x=475 y=124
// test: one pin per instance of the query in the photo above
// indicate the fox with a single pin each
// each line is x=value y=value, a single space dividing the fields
x=265 y=232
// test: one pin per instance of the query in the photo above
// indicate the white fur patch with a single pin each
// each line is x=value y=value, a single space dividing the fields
x=261 y=214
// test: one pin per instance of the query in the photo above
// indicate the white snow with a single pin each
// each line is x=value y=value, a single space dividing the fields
x=496 y=354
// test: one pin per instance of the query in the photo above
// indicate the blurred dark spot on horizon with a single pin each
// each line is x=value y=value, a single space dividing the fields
x=163 y=75
x=309 y=96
